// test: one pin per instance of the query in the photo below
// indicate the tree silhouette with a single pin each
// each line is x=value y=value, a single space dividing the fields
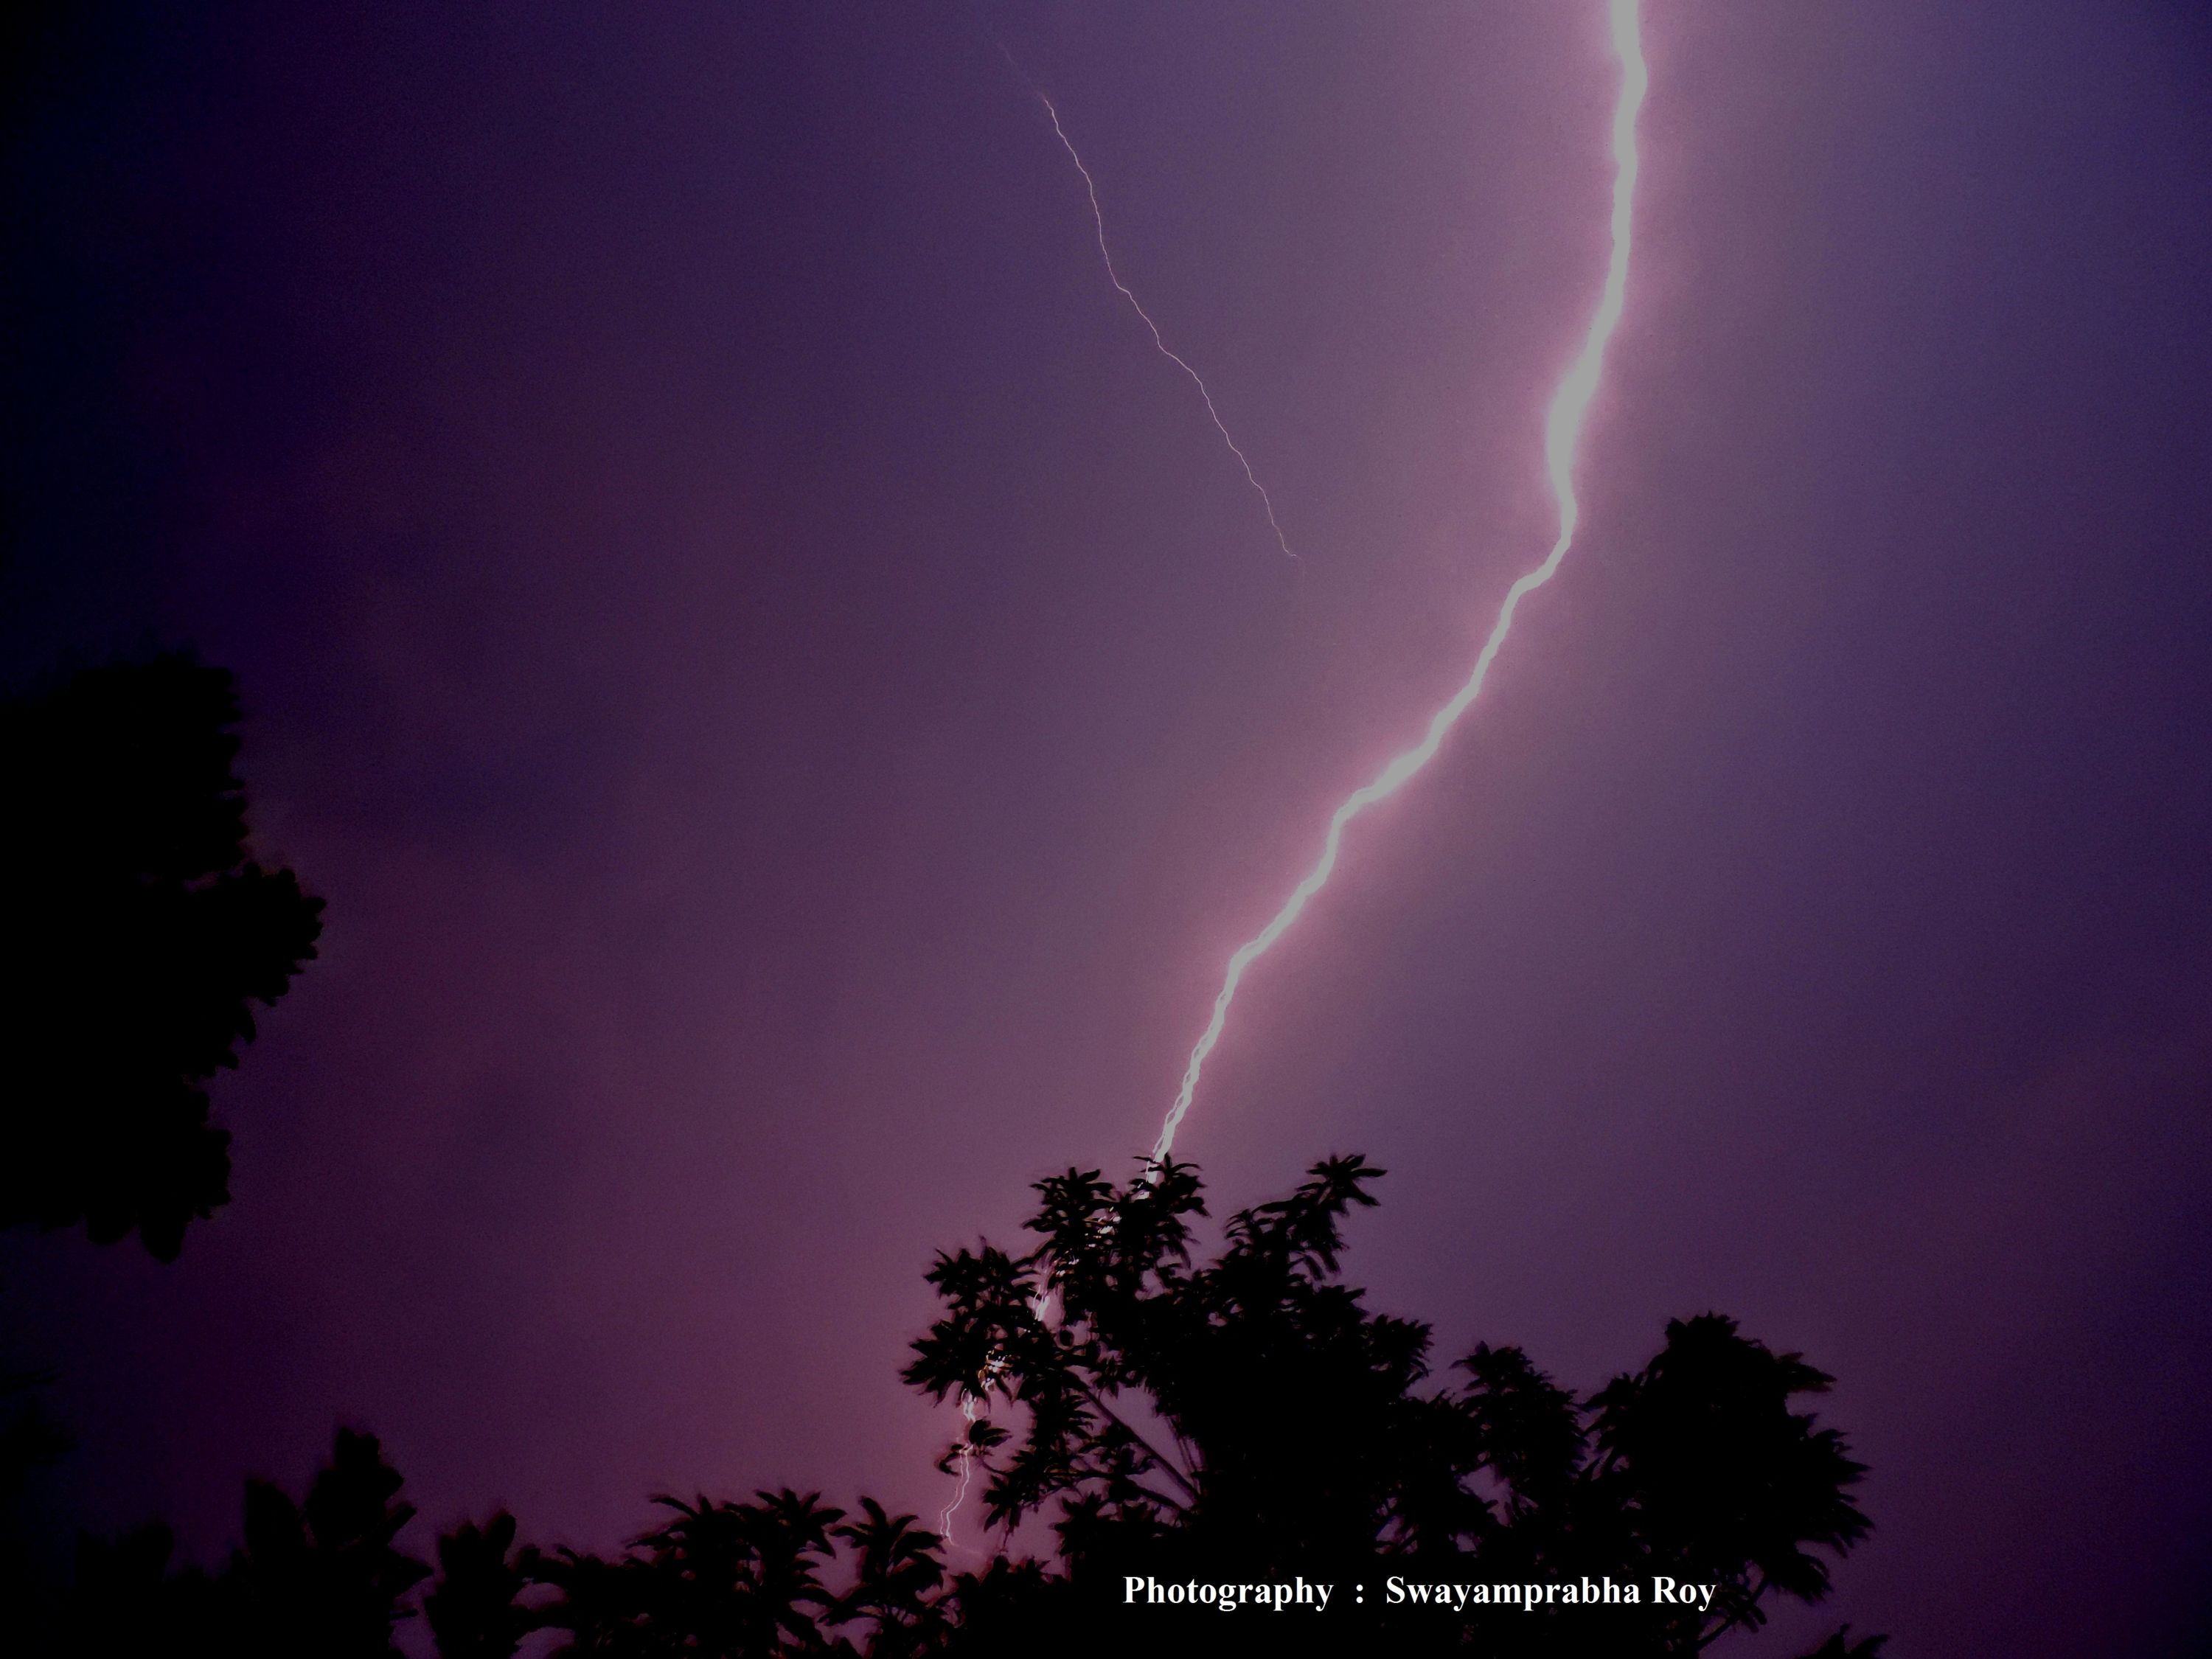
x=1243 y=1420
x=896 y=1576
x=474 y=1610
x=1249 y=1420
x=142 y=931
x=323 y=1577
x=719 y=1577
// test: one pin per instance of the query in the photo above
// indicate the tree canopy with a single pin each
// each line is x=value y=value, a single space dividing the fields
x=1250 y=1419
x=1245 y=1419
x=142 y=931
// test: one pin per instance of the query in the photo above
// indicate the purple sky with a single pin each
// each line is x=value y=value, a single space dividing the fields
x=790 y=707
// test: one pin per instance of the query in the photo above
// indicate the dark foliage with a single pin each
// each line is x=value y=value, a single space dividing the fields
x=717 y=1577
x=474 y=1609
x=1247 y=1420
x=140 y=932
x=30 y=1441
x=322 y=1576
x=124 y=1601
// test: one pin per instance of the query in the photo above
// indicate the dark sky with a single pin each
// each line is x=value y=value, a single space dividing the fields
x=791 y=706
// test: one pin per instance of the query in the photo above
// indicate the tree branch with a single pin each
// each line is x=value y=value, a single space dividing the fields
x=1151 y=1450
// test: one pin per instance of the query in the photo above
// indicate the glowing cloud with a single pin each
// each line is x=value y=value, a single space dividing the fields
x=1563 y=429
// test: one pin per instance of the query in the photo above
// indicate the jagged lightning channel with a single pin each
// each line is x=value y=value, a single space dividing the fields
x=972 y=1401
x=1562 y=428
x=1098 y=221
x=971 y=1408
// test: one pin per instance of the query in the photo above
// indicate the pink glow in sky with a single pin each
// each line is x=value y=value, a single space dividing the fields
x=1563 y=430
x=791 y=713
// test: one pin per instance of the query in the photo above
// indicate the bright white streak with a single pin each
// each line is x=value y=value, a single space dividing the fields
x=1098 y=219
x=971 y=1406
x=1562 y=428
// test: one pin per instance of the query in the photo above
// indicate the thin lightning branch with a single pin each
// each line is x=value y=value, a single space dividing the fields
x=1098 y=219
x=972 y=1401
x=970 y=1408
x=1562 y=428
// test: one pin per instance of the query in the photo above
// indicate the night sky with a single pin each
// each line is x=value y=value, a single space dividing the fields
x=791 y=705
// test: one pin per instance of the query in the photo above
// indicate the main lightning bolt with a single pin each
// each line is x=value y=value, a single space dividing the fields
x=1563 y=430
x=1098 y=223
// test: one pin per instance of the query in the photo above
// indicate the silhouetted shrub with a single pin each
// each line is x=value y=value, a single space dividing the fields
x=139 y=933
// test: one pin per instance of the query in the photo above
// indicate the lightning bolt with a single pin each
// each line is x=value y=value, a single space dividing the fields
x=971 y=1408
x=1098 y=222
x=972 y=1401
x=1563 y=429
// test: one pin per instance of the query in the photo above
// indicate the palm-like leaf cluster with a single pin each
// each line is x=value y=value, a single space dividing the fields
x=1244 y=1420
x=1250 y=1419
